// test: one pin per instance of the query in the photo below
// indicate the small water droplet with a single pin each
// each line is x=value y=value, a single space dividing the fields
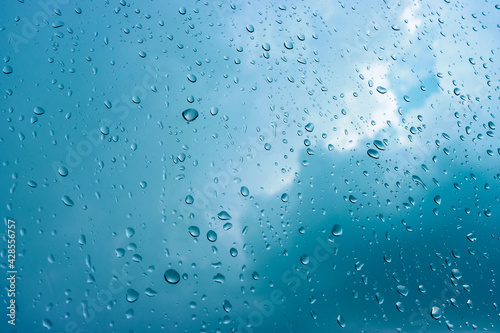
x=67 y=201
x=191 y=78
x=381 y=90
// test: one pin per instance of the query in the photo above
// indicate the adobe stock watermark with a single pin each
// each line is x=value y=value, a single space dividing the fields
x=121 y=107
x=89 y=308
x=293 y=278
x=30 y=27
x=421 y=317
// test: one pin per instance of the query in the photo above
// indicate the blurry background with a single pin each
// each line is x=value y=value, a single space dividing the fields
x=251 y=166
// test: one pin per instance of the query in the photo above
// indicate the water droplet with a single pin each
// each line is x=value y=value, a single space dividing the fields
x=63 y=171
x=402 y=290
x=142 y=183
x=39 y=110
x=132 y=295
x=304 y=259
x=172 y=276
x=189 y=199
x=266 y=46
x=129 y=232
x=108 y=104
x=191 y=77
x=400 y=307
x=150 y=292
x=244 y=191
x=212 y=236
x=224 y=216
x=456 y=274
x=67 y=201
x=136 y=99
x=373 y=153
x=288 y=45
x=284 y=197
x=379 y=144
x=436 y=312
x=182 y=10
x=194 y=231
x=214 y=110
x=337 y=230
x=233 y=252
x=341 y=321
x=381 y=90
x=219 y=278
x=250 y=28
x=227 y=306
x=309 y=127
x=47 y=324
x=190 y=114
x=7 y=69
x=32 y=184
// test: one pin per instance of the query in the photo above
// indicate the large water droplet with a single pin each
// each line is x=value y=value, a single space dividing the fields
x=67 y=201
x=381 y=90
x=227 y=306
x=39 y=110
x=337 y=230
x=219 y=278
x=212 y=236
x=436 y=312
x=7 y=69
x=224 y=216
x=132 y=295
x=402 y=290
x=63 y=171
x=341 y=321
x=373 y=153
x=194 y=231
x=244 y=191
x=191 y=77
x=190 y=114
x=172 y=276
x=189 y=199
